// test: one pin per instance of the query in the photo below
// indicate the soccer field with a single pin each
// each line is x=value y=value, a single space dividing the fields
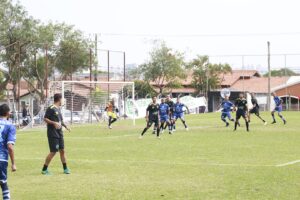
x=207 y=162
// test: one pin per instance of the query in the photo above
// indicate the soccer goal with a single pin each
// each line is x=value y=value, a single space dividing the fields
x=85 y=101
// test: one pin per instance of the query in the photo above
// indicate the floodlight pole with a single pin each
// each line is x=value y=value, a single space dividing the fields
x=269 y=78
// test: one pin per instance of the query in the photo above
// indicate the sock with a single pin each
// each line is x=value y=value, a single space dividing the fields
x=114 y=120
x=144 y=131
x=282 y=117
x=235 y=125
x=170 y=127
x=109 y=121
x=174 y=126
x=273 y=117
x=65 y=166
x=5 y=191
x=247 y=126
x=157 y=132
x=45 y=167
x=224 y=120
x=232 y=120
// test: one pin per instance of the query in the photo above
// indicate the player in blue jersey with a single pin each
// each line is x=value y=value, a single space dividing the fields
x=7 y=141
x=179 y=113
x=227 y=107
x=278 y=108
x=164 y=113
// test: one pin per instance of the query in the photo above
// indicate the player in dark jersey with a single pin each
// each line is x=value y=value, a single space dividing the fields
x=241 y=107
x=255 y=109
x=278 y=108
x=227 y=107
x=179 y=113
x=152 y=117
x=7 y=141
x=164 y=113
x=171 y=106
x=54 y=120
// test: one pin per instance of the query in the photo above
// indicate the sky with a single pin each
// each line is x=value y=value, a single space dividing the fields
x=195 y=27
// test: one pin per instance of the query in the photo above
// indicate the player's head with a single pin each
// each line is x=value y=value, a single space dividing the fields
x=226 y=97
x=273 y=94
x=178 y=100
x=168 y=97
x=154 y=99
x=162 y=100
x=241 y=95
x=58 y=100
x=4 y=111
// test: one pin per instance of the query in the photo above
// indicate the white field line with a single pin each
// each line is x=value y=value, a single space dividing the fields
x=157 y=162
x=288 y=163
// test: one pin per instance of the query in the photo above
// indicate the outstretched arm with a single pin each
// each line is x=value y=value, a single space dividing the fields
x=11 y=153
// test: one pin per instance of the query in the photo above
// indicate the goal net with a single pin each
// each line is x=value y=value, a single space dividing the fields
x=85 y=101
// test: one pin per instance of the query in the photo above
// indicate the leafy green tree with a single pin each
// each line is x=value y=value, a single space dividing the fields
x=165 y=67
x=73 y=52
x=282 y=72
x=16 y=34
x=206 y=76
x=143 y=89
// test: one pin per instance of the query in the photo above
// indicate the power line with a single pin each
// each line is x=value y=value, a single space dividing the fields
x=200 y=35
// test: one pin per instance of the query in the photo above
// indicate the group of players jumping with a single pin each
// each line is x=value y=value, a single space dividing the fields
x=241 y=108
x=164 y=115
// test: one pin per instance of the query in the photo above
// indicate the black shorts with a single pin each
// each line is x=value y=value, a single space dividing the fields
x=56 y=144
x=254 y=110
x=153 y=120
x=240 y=113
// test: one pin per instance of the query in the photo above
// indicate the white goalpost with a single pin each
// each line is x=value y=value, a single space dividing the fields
x=85 y=101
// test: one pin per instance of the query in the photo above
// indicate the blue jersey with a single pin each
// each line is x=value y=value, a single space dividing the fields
x=178 y=108
x=226 y=106
x=7 y=136
x=163 y=109
x=277 y=101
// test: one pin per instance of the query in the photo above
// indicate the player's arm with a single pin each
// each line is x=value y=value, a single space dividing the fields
x=66 y=127
x=47 y=116
x=147 y=114
x=187 y=108
x=10 y=146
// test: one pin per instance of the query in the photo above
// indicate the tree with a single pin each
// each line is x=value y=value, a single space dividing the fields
x=282 y=72
x=16 y=33
x=206 y=76
x=143 y=89
x=72 y=52
x=164 y=68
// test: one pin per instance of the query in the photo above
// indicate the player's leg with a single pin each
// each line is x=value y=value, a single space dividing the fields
x=170 y=125
x=149 y=124
x=53 y=146
x=3 y=180
x=63 y=156
x=162 y=125
x=281 y=117
x=273 y=116
x=258 y=115
x=244 y=115
x=237 y=118
x=182 y=119
x=158 y=130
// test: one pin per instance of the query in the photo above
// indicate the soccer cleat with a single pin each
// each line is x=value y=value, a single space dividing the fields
x=154 y=131
x=110 y=127
x=174 y=129
x=284 y=122
x=265 y=123
x=140 y=137
x=187 y=129
x=158 y=137
x=46 y=172
x=227 y=124
x=274 y=122
x=67 y=171
x=170 y=132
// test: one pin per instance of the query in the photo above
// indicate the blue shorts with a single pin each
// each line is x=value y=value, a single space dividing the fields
x=226 y=114
x=178 y=116
x=278 y=109
x=164 y=118
x=3 y=171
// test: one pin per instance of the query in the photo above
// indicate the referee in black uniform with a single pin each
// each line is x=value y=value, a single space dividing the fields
x=54 y=120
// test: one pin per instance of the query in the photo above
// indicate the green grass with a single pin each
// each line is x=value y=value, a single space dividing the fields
x=208 y=162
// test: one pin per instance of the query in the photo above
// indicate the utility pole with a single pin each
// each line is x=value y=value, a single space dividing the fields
x=46 y=69
x=269 y=78
x=96 y=56
x=19 y=77
x=108 y=71
x=91 y=69
x=124 y=54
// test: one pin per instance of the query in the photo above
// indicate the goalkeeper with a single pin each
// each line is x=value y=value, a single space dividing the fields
x=112 y=111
